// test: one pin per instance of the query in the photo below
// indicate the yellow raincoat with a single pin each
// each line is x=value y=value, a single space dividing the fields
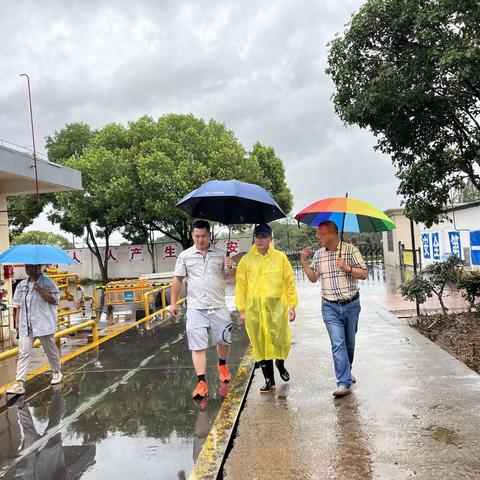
x=265 y=288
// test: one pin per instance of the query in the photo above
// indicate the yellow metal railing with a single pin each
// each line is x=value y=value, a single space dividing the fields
x=147 y=295
x=61 y=333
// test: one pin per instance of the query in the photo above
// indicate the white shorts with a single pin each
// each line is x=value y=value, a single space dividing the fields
x=201 y=322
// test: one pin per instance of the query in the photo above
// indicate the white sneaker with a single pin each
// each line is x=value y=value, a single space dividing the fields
x=56 y=378
x=341 y=391
x=16 y=389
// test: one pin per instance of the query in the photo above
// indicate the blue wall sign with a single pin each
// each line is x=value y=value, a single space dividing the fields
x=455 y=244
x=475 y=247
x=427 y=254
x=436 y=245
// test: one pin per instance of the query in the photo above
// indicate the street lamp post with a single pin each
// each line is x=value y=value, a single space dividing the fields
x=33 y=135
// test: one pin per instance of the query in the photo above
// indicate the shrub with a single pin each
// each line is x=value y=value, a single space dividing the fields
x=469 y=285
x=417 y=289
x=433 y=281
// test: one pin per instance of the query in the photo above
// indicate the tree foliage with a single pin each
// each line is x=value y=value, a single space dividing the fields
x=176 y=154
x=133 y=176
x=41 y=238
x=469 y=285
x=409 y=71
x=22 y=211
x=291 y=236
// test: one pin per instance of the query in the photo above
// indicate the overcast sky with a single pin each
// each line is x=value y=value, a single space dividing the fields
x=258 y=66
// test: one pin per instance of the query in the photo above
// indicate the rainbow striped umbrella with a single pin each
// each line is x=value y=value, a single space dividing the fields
x=350 y=215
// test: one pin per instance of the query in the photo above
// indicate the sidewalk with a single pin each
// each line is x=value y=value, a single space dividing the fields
x=414 y=413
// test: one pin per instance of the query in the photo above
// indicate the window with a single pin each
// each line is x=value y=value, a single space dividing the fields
x=390 y=241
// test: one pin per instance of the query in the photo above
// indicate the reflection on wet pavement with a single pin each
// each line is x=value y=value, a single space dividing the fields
x=124 y=411
x=414 y=412
x=353 y=450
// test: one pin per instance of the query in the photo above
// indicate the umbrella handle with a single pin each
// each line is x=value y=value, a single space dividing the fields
x=228 y=242
x=341 y=233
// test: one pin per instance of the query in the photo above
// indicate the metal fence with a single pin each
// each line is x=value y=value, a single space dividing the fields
x=371 y=253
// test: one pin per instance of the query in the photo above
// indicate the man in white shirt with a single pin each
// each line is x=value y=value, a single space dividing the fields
x=205 y=268
x=36 y=299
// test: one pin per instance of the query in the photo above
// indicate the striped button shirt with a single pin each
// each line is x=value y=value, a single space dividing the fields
x=337 y=284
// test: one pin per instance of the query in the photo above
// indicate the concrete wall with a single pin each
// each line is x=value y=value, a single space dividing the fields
x=463 y=224
x=129 y=261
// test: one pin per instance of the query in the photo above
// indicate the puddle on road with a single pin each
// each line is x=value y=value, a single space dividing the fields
x=122 y=412
x=443 y=434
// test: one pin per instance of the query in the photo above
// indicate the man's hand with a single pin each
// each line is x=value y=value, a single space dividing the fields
x=292 y=314
x=309 y=272
x=174 y=309
x=44 y=293
x=341 y=265
x=229 y=263
x=242 y=317
x=305 y=253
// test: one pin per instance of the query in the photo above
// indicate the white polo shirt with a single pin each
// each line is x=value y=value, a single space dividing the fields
x=204 y=274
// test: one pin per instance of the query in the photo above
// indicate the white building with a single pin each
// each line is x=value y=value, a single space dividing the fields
x=17 y=177
x=458 y=234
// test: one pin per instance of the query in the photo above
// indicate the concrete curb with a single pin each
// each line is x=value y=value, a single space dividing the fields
x=209 y=465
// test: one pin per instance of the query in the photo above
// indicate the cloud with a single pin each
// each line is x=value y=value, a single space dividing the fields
x=257 y=66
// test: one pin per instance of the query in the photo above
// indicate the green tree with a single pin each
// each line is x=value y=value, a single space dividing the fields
x=273 y=175
x=69 y=142
x=133 y=177
x=291 y=236
x=23 y=210
x=97 y=209
x=409 y=71
x=466 y=193
x=42 y=238
x=176 y=156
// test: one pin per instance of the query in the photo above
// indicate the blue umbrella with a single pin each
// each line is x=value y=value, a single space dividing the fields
x=36 y=255
x=231 y=202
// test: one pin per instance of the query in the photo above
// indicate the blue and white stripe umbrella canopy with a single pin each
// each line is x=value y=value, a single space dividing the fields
x=36 y=255
x=231 y=202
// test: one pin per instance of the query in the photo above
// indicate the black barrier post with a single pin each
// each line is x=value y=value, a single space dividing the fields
x=414 y=252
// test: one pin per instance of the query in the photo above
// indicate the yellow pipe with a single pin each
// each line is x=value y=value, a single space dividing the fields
x=164 y=301
x=94 y=345
x=151 y=292
x=61 y=333
x=66 y=313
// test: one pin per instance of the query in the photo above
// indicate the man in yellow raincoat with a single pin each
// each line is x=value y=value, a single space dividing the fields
x=266 y=297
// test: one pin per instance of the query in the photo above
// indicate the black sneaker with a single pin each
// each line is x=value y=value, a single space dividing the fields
x=268 y=387
x=285 y=376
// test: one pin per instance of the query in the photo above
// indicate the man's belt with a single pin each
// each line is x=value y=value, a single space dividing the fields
x=344 y=302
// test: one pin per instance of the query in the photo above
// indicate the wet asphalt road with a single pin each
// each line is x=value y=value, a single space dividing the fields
x=123 y=412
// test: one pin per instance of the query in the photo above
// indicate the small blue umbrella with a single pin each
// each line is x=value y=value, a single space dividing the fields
x=231 y=202
x=36 y=255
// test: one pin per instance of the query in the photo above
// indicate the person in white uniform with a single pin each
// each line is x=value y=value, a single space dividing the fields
x=36 y=299
x=205 y=268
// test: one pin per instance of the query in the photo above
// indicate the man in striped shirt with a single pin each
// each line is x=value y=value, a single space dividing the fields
x=340 y=297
